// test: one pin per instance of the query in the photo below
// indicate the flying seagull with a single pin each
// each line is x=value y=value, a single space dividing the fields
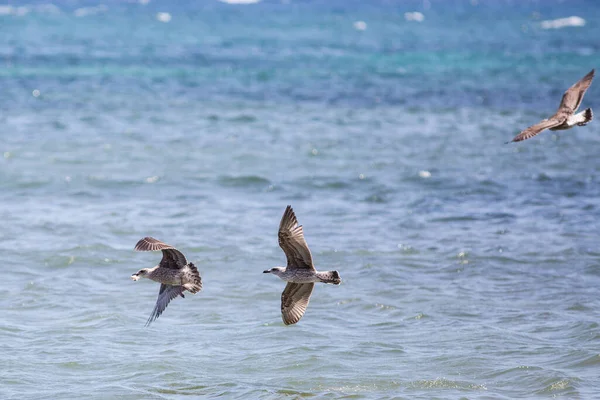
x=565 y=117
x=174 y=273
x=300 y=274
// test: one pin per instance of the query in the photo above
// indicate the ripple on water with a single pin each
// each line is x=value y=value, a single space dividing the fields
x=560 y=387
x=243 y=119
x=443 y=383
x=323 y=183
x=245 y=181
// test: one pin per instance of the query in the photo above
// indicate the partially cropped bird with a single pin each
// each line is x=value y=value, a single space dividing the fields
x=174 y=273
x=300 y=274
x=565 y=117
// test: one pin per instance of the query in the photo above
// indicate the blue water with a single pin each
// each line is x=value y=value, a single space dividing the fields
x=470 y=268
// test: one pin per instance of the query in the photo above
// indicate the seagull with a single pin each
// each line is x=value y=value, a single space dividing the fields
x=565 y=117
x=174 y=273
x=300 y=274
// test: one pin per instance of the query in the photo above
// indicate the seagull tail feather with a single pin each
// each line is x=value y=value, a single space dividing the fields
x=589 y=115
x=196 y=285
x=584 y=117
x=332 y=277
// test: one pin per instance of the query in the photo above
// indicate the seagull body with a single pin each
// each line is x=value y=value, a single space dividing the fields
x=300 y=274
x=174 y=273
x=565 y=117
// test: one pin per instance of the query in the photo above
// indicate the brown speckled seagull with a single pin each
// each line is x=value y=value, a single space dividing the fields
x=300 y=274
x=174 y=273
x=565 y=117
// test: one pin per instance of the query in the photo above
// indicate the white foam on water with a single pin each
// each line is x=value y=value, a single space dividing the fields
x=360 y=25
x=414 y=16
x=163 y=17
x=85 y=11
x=6 y=9
x=562 y=22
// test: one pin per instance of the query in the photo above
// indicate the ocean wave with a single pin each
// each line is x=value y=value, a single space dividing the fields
x=11 y=10
x=240 y=1
x=562 y=22
x=244 y=181
x=85 y=11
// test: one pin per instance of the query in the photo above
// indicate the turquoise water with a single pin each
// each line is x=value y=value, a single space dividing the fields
x=470 y=268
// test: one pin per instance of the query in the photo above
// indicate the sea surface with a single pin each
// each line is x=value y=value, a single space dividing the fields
x=470 y=267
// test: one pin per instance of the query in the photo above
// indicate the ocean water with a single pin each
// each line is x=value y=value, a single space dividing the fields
x=470 y=267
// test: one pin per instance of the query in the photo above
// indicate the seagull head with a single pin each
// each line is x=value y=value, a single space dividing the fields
x=275 y=271
x=140 y=274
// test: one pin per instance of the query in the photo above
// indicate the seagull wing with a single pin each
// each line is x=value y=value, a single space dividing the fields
x=165 y=295
x=537 y=128
x=294 y=300
x=291 y=241
x=574 y=95
x=172 y=258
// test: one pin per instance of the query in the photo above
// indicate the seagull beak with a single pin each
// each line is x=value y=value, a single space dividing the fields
x=135 y=277
x=267 y=271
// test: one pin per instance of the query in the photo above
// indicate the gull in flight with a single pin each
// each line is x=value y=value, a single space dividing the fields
x=565 y=117
x=300 y=274
x=174 y=274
